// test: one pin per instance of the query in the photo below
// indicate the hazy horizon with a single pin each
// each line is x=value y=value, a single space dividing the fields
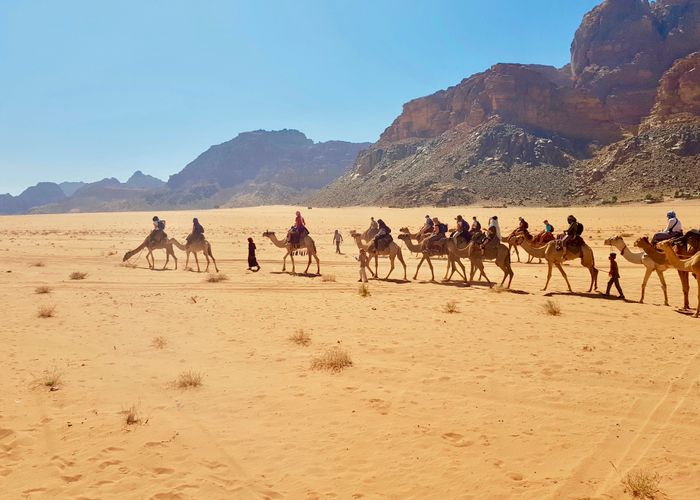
x=95 y=91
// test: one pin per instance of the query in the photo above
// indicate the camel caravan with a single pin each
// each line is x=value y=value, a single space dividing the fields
x=670 y=248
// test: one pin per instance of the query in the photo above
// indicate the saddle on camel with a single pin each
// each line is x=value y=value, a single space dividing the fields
x=297 y=232
x=571 y=240
x=158 y=234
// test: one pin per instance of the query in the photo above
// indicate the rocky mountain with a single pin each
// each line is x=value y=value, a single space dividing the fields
x=139 y=180
x=69 y=188
x=620 y=120
x=44 y=192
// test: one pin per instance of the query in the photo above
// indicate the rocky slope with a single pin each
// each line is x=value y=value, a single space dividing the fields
x=44 y=192
x=619 y=120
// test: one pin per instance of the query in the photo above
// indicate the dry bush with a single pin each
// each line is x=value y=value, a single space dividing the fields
x=497 y=289
x=551 y=308
x=42 y=289
x=37 y=264
x=644 y=485
x=189 y=379
x=333 y=359
x=52 y=379
x=300 y=337
x=110 y=253
x=131 y=415
x=363 y=291
x=46 y=311
x=77 y=275
x=451 y=307
x=159 y=342
x=215 y=278
x=328 y=278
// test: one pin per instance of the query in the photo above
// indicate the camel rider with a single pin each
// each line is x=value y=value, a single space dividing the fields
x=298 y=230
x=476 y=225
x=573 y=233
x=547 y=233
x=373 y=226
x=158 y=231
x=493 y=223
x=384 y=233
x=427 y=226
x=462 y=230
x=491 y=235
x=197 y=231
x=439 y=230
x=674 y=229
x=521 y=229
x=548 y=228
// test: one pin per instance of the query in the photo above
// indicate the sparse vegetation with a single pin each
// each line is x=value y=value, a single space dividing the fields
x=333 y=359
x=215 y=278
x=300 y=337
x=38 y=264
x=42 y=289
x=46 y=311
x=363 y=291
x=189 y=379
x=52 y=379
x=551 y=308
x=328 y=278
x=159 y=342
x=451 y=307
x=643 y=485
x=76 y=275
x=131 y=415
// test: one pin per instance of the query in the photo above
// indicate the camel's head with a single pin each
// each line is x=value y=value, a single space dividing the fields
x=612 y=240
x=666 y=243
x=644 y=240
x=126 y=257
x=404 y=230
x=355 y=234
x=268 y=234
x=404 y=236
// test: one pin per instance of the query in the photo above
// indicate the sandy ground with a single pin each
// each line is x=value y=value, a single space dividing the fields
x=498 y=400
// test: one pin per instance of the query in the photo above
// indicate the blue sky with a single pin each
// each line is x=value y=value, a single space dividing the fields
x=92 y=89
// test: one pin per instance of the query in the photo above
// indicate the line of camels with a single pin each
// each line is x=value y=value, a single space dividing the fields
x=654 y=259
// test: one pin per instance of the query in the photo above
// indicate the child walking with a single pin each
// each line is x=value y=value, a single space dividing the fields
x=252 y=261
x=364 y=263
x=337 y=239
x=614 y=274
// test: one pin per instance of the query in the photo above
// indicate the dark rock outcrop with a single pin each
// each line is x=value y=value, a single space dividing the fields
x=42 y=193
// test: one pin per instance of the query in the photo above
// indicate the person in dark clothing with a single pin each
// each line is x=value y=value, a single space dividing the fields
x=197 y=231
x=252 y=261
x=573 y=232
x=462 y=230
x=476 y=225
x=614 y=274
x=384 y=233
x=158 y=232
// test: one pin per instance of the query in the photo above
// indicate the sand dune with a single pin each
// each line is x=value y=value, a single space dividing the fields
x=497 y=400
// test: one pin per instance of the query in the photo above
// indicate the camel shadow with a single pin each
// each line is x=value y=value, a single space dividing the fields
x=453 y=284
x=298 y=275
x=591 y=295
x=391 y=280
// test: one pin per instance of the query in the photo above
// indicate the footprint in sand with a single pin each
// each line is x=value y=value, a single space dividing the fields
x=515 y=476
x=456 y=440
x=380 y=405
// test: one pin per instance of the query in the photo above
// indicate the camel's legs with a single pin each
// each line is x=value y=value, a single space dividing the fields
x=594 y=279
x=376 y=264
x=207 y=258
x=400 y=256
x=415 y=276
x=517 y=253
x=663 y=285
x=432 y=271
x=284 y=261
x=647 y=273
x=566 y=278
x=318 y=265
x=697 y=311
x=150 y=259
x=212 y=258
x=309 y=263
x=391 y=270
x=685 y=283
x=464 y=271
x=507 y=272
x=291 y=256
x=196 y=259
x=549 y=276
x=187 y=260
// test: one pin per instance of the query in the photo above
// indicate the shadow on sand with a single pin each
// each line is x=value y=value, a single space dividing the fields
x=590 y=295
x=298 y=275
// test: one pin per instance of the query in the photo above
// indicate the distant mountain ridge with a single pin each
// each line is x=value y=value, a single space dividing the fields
x=258 y=167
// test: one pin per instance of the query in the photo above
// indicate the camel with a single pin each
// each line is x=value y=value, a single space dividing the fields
x=501 y=257
x=370 y=233
x=447 y=247
x=555 y=257
x=689 y=265
x=198 y=245
x=162 y=244
x=660 y=259
x=641 y=259
x=306 y=244
x=393 y=251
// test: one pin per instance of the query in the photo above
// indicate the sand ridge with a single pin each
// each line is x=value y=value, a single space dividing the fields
x=497 y=400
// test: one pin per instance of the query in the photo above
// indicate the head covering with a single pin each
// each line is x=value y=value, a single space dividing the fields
x=427 y=217
x=380 y=222
x=459 y=217
x=613 y=255
x=520 y=218
x=545 y=221
x=195 y=220
x=298 y=213
x=474 y=217
x=671 y=214
x=250 y=240
x=435 y=219
x=155 y=218
x=571 y=218
x=495 y=217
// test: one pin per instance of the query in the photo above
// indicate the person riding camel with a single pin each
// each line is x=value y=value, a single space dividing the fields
x=476 y=225
x=674 y=229
x=439 y=230
x=158 y=232
x=298 y=230
x=491 y=238
x=427 y=228
x=573 y=233
x=373 y=226
x=521 y=229
x=493 y=222
x=197 y=231
x=547 y=234
x=383 y=234
x=462 y=230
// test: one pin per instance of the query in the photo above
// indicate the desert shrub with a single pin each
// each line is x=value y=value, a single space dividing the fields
x=216 y=278
x=46 y=311
x=77 y=275
x=42 y=289
x=363 y=291
x=328 y=278
x=643 y=485
x=159 y=342
x=189 y=379
x=551 y=308
x=131 y=415
x=52 y=379
x=333 y=359
x=451 y=307
x=300 y=337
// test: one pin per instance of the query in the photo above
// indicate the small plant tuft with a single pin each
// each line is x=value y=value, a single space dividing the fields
x=52 y=379
x=189 y=380
x=131 y=415
x=159 y=342
x=451 y=307
x=300 y=337
x=46 y=311
x=42 y=289
x=643 y=485
x=77 y=275
x=363 y=291
x=334 y=359
x=328 y=278
x=215 y=278
x=551 y=308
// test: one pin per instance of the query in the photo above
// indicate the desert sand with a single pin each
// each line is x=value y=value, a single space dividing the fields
x=497 y=400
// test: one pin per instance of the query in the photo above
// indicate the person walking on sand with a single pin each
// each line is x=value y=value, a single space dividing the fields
x=252 y=261
x=337 y=239
x=614 y=274
x=364 y=264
